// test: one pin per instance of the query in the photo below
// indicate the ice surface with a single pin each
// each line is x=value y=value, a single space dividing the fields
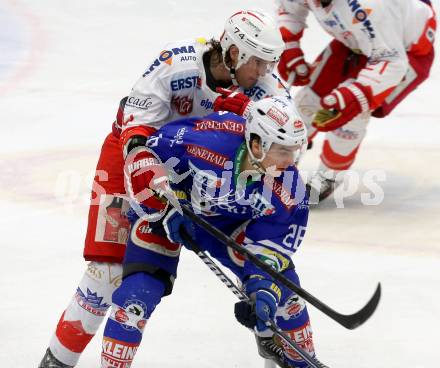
x=63 y=68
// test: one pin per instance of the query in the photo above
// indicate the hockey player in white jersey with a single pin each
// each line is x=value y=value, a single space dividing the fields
x=181 y=81
x=381 y=51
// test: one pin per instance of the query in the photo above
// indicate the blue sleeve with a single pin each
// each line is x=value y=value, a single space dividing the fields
x=169 y=141
x=168 y=144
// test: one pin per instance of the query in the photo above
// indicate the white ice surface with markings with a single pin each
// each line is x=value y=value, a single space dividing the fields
x=63 y=68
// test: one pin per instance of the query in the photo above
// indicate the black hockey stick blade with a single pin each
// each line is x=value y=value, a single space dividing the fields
x=355 y=320
x=350 y=321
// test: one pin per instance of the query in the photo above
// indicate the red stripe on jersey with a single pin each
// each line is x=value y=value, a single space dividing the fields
x=335 y=161
x=424 y=44
x=142 y=130
x=380 y=98
x=289 y=36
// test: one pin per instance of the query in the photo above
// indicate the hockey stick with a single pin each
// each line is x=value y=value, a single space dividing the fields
x=350 y=321
x=289 y=82
x=313 y=362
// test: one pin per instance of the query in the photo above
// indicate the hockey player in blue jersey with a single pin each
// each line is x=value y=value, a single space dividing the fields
x=181 y=81
x=240 y=175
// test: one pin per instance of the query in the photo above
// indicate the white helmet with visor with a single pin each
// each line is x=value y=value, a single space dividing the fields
x=256 y=35
x=275 y=120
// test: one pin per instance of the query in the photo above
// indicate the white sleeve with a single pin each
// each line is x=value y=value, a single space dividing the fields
x=149 y=100
x=387 y=58
x=292 y=15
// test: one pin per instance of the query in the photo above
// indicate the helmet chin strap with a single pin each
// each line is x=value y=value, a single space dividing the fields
x=256 y=162
x=233 y=69
x=233 y=78
x=257 y=166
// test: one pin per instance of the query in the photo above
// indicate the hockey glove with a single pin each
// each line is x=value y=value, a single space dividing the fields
x=245 y=313
x=174 y=223
x=235 y=102
x=146 y=178
x=267 y=296
x=167 y=224
x=292 y=66
x=341 y=106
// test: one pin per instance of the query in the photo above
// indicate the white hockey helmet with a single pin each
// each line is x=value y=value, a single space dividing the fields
x=255 y=34
x=275 y=120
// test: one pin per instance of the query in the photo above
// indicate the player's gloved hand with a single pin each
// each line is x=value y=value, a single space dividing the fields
x=341 y=106
x=267 y=296
x=146 y=178
x=245 y=313
x=232 y=101
x=292 y=67
x=166 y=224
x=265 y=308
x=174 y=223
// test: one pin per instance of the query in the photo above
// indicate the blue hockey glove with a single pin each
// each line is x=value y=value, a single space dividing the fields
x=267 y=296
x=265 y=308
x=174 y=223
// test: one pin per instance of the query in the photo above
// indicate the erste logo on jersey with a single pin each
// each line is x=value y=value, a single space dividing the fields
x=184 y=83
x=166 y=57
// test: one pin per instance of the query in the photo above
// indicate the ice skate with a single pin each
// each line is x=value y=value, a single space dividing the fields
x=49 y=361
x=321 y=185
x=269 y=349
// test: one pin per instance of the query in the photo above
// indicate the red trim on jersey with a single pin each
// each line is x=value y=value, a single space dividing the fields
x=142 y=130
x=289 y=36
x=335 y=161
x=380 y=98
x=425 y=43
x=385 y=64
x=156 y=239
